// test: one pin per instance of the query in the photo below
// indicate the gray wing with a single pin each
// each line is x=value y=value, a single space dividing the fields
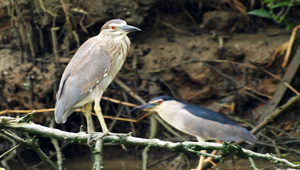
x=208 y=129
x=83 y=72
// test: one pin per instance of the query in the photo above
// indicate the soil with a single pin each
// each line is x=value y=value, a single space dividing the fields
x=165 y=66
x=194 y=81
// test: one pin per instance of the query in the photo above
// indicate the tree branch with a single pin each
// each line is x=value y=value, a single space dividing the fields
x=192 y=147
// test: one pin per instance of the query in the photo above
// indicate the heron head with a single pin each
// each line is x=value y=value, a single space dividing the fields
x=117 y=27
x=154 y=103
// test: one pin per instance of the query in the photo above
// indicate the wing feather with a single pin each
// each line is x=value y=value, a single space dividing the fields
x=212 y=129
x=85 y=70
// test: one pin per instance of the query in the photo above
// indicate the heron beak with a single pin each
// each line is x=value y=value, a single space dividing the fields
x=129 y=28
x=144 y=106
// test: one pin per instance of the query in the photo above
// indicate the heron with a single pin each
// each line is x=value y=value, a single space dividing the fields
x=91 y=70
x=197 y=121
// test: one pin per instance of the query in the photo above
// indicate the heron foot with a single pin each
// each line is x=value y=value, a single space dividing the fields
x=88 y=142
x=92 y=139
x=210 y=160
x=104 y=134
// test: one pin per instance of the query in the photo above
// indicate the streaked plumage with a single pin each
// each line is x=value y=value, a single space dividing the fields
x=92 y=69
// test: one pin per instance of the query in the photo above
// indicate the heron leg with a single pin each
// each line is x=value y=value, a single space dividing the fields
x=89 y=121
x=98 y=111
x=214 y=152
x=203 y=160
x=210 y=159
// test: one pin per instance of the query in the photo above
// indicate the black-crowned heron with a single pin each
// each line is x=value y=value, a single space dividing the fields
x=91 y=70
x=197 y=121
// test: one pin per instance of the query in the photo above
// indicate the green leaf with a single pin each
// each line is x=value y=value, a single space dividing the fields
x=281 y=4
x=268 y=1
x=290 y=26
x=261 y=13
x=280 y=19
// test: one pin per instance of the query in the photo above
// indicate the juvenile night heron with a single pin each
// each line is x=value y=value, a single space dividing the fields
x=197 y=121
x=91 y=70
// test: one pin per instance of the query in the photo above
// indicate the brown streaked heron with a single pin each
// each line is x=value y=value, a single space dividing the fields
x=91 y=70
x=197 y=121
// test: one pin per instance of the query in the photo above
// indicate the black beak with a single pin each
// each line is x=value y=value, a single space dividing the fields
x=129 y=28
x=144 y=106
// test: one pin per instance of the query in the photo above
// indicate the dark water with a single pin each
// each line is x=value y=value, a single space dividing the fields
x=135 y=164
x=115 y=158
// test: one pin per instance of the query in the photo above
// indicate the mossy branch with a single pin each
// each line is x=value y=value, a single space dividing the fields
x=9 y=123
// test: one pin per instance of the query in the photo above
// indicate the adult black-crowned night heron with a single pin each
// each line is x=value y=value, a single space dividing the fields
x=197 y=121
x=91 y=70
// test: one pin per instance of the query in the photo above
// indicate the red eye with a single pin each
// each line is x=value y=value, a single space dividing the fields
x=159 y=101
x=113 y=27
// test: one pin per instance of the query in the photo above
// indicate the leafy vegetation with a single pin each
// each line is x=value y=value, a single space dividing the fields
x=272 y=12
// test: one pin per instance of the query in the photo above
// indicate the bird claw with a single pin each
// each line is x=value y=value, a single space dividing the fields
x=92 y=139
x=100 y=137
x=89 y=141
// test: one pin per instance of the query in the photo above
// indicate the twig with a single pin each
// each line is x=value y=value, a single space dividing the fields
x=281 y=80
x=118 y=101
x=153 y=122
x=77 y=110
x=252 y=163
x=289 y=48
x=81 y=24
x=52 y=154
x=289 y=104
x=129 y=114
x=41 y=36
x=179 y=161
x=32 y=144
x=129 y=91
x=279 y=147
x=281 y=90
x=187 y=162
x=29 y=36
x=177 y=29
x=287 y=148
x=45 y=10
x=57 y=149
x=10 y=150
x=273 y=144
x=161 y=160
x=115 y=120
x=153 y=130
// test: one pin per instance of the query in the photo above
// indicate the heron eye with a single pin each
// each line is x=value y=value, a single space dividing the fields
x=159 y=101
x=113 y=27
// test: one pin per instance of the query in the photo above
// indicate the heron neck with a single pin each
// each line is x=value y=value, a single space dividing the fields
x=117 y=47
